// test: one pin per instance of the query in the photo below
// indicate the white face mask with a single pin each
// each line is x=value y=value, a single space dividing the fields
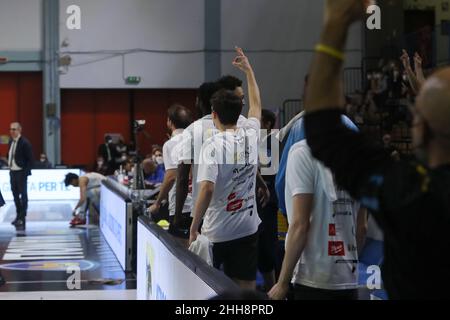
x=100 y=163
x=159 y=160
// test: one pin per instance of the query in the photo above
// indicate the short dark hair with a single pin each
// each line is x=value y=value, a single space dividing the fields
x=229 y=83
x=228 y=106
x=69 y=178
x=204 y=94
x=180 y=116
x=268 y=116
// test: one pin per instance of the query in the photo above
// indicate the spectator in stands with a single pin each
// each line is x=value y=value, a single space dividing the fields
x=121 y=152
x=179 y=118
x=108 y=152
x=321 y=244
x=228 y=182
x=416 y=78
x=100 y=166
x=155 y=172
x=389 y=148
x=90 y=185
x=43 y=162
x=268 y=231
x=409 y=200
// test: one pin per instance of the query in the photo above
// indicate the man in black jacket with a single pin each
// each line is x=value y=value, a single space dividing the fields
x=20 y=162
x=409 y=200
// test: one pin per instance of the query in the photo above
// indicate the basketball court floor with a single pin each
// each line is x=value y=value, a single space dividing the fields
x=50 y=260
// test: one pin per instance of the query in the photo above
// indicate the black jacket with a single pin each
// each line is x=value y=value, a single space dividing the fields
x=24 y=154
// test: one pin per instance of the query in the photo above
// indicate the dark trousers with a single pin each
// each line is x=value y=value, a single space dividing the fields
x=308 y=293
x=19 y=190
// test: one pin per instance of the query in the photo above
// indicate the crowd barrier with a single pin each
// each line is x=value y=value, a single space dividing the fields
x=168 y=271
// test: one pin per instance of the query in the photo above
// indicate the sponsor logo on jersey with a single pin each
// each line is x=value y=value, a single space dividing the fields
x=336 y=248
x=332 y=229
x=235 y=205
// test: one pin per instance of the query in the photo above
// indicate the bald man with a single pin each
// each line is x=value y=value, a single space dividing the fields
x=409 y=200
x=20 y=161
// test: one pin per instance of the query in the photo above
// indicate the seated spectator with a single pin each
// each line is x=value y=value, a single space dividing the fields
x=43 y=163
x=101 y=167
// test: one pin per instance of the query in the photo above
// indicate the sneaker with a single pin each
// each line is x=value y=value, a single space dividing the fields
x=77 y=221
x=20 y=225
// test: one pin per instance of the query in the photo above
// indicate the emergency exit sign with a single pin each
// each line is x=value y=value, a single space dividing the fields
x=133 y=80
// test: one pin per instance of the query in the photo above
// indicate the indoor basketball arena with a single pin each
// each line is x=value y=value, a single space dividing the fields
x=213 y=150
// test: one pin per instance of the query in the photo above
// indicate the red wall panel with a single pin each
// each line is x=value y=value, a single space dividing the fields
x=87 y=115
x=31 y=109
x=21 y=100
x=77 y=127
x=152 y=105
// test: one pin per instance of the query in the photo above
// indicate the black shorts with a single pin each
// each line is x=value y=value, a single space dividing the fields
x=268 y=238
x=239 y=257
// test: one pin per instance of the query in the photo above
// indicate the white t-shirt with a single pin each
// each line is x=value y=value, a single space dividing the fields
x=330 y=258
x=171 y=153
x=193 y=138
x=230 y=160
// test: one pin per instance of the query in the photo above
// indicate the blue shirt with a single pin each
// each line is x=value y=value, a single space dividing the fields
x=296 y=134
x=158 y=175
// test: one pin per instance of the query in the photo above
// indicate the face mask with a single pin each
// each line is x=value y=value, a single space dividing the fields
x=43 y=159
x=100 y=163
x=159 y=160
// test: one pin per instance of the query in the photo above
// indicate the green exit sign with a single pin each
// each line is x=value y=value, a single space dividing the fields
x=133 y=80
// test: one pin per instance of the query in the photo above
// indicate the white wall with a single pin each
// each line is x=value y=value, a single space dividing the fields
x=21 y=25
x=281 y=25
x=122 y=25
x=179 y=25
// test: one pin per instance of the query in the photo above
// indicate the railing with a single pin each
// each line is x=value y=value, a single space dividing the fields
x=290 y=108
x=353 y=80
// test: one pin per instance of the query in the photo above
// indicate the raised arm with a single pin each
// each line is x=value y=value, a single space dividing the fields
x=241 y=62
x=358 y=165
x=412 y=78
x=419 y=69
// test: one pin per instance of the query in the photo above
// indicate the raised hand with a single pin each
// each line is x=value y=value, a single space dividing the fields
x=241 y=61
x=405 y=60
x=417 y=60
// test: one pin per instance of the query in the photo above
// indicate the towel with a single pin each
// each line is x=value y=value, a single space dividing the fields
x=203 y=248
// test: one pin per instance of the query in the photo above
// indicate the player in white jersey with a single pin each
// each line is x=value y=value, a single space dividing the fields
x=90 y=185
x=227 y=182
x=325 y=224
x=179 y=117
x=195 y=135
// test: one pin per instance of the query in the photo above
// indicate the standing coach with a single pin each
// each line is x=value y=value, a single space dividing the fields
x=20 y=161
